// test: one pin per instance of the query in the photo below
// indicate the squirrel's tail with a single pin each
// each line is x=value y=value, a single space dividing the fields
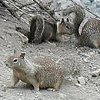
x=36 y=29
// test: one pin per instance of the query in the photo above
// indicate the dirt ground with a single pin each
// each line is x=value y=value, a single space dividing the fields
x=85 y=58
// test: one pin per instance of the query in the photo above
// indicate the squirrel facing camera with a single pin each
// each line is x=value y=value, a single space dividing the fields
x=65 y=27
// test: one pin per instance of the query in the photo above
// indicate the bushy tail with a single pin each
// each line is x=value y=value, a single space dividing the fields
x=36 y=29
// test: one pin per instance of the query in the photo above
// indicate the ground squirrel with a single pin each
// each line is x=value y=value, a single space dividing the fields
x=90 y=34
x=43 y=73
x=43 y=30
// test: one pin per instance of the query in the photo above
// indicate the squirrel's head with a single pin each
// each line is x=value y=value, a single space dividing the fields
x=65 y=27
x=15 y=60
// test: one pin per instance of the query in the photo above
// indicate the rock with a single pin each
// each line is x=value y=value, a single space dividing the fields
x=95 y=73
x=8 y=46
x=85 y=60
x=81 y=80
x=84 y=55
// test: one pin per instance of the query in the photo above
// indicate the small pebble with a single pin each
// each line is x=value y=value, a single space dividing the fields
x=85 y=60
x=81 y=80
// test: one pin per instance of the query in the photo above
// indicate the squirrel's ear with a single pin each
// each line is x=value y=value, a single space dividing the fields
x=62 y=20
x=67 y=20
x=22 y=55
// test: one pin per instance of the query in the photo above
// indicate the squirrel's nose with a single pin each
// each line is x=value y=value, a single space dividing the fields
x=6 y=63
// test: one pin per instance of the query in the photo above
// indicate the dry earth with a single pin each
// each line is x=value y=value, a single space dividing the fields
x=85 y=58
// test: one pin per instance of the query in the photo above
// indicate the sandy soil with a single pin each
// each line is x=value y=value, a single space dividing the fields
x=85 y=58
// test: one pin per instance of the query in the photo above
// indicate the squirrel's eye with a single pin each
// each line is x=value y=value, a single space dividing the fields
x=15 y=60
x=67 y=27
x=67 y=20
